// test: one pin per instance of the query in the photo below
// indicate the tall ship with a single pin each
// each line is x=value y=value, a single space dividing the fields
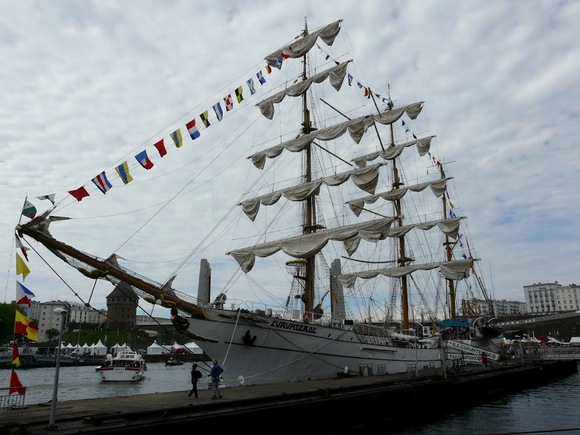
x=347 y=237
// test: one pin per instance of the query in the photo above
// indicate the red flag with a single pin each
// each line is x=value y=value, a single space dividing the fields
x=15 y=385
x=15 y=355
x=79 y=193
x=229 y=103
x=161 y=148
x=23 y=325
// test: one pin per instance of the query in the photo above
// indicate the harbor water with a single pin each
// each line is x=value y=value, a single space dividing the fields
x=544 y=409
x=83 y=382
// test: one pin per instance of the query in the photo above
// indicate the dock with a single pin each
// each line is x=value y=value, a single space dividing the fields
x=349 y=400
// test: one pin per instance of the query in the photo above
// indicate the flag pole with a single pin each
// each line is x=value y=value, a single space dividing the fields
x=23 y=204
x=52 y=421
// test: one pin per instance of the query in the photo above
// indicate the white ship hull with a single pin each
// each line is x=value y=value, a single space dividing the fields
x=127 y=366
x=121 y=374
x=256 y=349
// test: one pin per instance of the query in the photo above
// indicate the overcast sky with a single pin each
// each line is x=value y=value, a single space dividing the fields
x=86 y=85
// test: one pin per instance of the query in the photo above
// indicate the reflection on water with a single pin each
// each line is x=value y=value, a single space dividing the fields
x=551 y=408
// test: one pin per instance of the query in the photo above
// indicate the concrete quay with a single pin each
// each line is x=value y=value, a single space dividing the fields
x=345 y=405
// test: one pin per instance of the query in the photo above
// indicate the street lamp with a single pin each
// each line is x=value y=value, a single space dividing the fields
x=416 y=342
x=52 y=424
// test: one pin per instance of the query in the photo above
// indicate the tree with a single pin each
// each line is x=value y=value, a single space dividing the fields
x=51 y=333
x=7 y=314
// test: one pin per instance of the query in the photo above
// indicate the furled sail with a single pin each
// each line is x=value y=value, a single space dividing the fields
x=454 y=270
x=423 y=145
x=355 y=127
x=301 y=46
x=390 y=116
x=336 y=74
x=438 y=188
x=364 y=178
x=308 y=245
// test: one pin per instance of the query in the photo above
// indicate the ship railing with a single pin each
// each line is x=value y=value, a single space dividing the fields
x=372 y=334
x=286 y=314
x=256 y=308
x=11 y=406
x=560 y=352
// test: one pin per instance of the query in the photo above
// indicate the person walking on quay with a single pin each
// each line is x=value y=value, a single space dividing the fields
x=215 y=372
x=195 y=376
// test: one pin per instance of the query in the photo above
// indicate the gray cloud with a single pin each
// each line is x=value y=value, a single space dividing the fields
x=87 y=85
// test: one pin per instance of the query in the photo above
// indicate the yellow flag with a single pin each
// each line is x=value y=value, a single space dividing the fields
x=23 y=325
x=15 y=355
x=177 y=139
x=21 y=267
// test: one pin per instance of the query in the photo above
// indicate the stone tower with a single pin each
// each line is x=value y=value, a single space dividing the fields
x=122 y=307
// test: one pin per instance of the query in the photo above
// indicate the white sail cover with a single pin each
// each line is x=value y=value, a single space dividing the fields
x=423 y=146
x=455 y=270
x=308 y=245
x=364 y=178
x=437 y=186
x=336 y=74
x=300 y=47
x=355 y=127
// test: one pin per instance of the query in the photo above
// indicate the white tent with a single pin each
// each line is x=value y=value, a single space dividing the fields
x=193 y=348
x=99 y=348
x=155 y=349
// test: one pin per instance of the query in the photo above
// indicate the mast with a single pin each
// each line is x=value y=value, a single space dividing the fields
x=402 y=260
x=448 y=251
x=310 y=203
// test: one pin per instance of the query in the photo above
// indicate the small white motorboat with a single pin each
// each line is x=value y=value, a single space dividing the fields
x=126 y=366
